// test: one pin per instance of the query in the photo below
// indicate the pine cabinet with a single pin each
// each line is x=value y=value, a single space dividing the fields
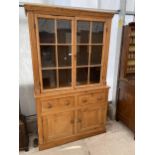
x=69 y=55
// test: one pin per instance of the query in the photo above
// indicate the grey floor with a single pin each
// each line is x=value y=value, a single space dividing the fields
x=118 y=140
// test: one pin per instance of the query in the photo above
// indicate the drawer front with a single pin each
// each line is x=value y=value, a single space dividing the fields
x=100 y=97
x=92 y=98
x=57 y=104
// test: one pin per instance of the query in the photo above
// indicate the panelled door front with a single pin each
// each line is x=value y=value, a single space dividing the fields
x=58 y=125
x=90 y=118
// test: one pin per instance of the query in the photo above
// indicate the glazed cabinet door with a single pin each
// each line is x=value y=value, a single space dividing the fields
x=57 y=126
x=54 y=40
x=90 y=118
x=89 y=51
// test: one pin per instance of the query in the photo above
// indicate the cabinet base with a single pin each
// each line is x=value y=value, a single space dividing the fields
x=70 y=139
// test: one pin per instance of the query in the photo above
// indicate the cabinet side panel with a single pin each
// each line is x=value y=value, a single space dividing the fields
x=106 y=50
x=34 y=53
x=39 y=121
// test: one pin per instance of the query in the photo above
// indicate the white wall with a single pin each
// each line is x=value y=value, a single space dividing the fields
x=109 y=4
x=112 y=52
x=25 y=67
x=130 y=5
x=26 y=76
x=84 y=3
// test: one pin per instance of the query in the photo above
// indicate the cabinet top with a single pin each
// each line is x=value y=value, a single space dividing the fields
x=64 y=11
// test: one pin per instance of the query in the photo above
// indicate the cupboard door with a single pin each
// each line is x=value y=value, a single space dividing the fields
x=58 y=125
x=55 y=48
x=90 y=118
x=89 y=49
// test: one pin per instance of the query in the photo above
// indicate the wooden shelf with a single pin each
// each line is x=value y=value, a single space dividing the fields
x=131 y=51
x=131 y=48
x=67 y=67
x=48 y=68
x=47 y=44
x=130 y=72
x=54 y=68
x=87 y=44
x=131 y=59
x=132 y=34
x=131 y=62
x=51 y=44
x=79 y=44
x=132 y=44
x=84 y=66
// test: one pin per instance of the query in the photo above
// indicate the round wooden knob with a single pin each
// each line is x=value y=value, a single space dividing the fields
x=84 y=101
x=99 y=98
x=49 y=105
x=67 y=103
x=79 y=121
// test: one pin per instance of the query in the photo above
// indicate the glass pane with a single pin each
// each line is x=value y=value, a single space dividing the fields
x=48 y=56
x=96 y=55
x=64 y=31
x=64 y=56
x=81 y=75
x=97 y=32
x=83 y=28
x=49 y=79
x=82 y=55
x=46 y=30
x=95 y=74
x=64 y=77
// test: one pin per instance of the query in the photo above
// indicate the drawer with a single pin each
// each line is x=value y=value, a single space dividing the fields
x=100 y=97
x=57 y=104
x=92 y=98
